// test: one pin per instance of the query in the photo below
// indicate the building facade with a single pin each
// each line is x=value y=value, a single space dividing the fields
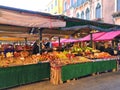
x=55 y=7
x=116 y=14
x=107 y=11
x=97 y=10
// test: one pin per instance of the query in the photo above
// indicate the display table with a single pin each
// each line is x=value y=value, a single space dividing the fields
x=18 y=75
x=67 y=72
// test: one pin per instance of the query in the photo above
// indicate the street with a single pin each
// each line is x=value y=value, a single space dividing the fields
x=104 y=81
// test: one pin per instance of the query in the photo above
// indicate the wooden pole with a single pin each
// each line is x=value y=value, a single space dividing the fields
x=25 y=40
x=40 y=38
x=91 y=39
x=59 y=42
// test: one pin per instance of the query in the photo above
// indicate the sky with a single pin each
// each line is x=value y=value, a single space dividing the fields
x=34 y=5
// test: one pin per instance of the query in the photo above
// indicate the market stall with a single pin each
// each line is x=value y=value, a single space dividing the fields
x=18 y=23
x=75 y=67
x=27 y=68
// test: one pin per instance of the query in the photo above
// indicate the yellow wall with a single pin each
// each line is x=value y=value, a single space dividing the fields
x=57 y=9
x=60 y=6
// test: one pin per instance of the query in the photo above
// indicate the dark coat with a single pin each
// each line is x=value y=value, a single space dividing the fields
x=47 y=45
x=35 y=48
x=109 y=50
x=102 y=48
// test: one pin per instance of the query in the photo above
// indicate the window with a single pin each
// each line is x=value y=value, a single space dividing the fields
x=98 y=11
x=65 y=6
x=87 y=14
x=51 y=6
x=80 y=2
x=82 y=15
x=48 y=9
x=118 y=5
x=78 y=15
x=55 y=2
x=72 y=2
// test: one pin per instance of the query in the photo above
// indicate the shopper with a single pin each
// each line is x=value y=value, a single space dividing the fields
x=48 y=45
x=109 y=49
x=9 y=48
x=35 y=47
x=102 y=47
x=118 y=49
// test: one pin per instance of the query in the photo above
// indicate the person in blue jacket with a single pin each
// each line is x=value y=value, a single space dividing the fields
x=9 y=49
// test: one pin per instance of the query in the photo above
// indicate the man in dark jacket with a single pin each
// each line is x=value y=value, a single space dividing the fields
x=109 y=49
x=35 y=47
x=102 y=48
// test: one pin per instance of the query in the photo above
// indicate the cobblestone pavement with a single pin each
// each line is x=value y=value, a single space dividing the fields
x=104 y=81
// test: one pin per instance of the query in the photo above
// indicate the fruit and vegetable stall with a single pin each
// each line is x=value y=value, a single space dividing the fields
x=69 y=67
x=56 y=66
x=21 y=67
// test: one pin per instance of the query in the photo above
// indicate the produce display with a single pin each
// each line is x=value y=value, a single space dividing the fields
x=55 y=58
x=83 y=50
x=100 y=55
x=90 y=53
x=23 y=58
x=64 y=58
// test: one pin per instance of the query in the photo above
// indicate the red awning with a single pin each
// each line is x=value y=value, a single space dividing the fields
x=65 y=41
x=108 y=36
x=61 y=40
x=95 y=36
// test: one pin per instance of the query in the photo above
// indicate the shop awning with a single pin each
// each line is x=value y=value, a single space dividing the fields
x=61 y=40
x=23 y=21
x=94 y=36
x=20 y=17
x=108 y=36
x=69 y=41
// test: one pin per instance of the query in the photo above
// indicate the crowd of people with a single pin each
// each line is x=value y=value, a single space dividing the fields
x=110 y=49
x=46 y=46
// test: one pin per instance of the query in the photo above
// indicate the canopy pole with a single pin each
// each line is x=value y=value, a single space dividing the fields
x=59 y=41
x=91 y=39
x=25 y=40
x=40 y=38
